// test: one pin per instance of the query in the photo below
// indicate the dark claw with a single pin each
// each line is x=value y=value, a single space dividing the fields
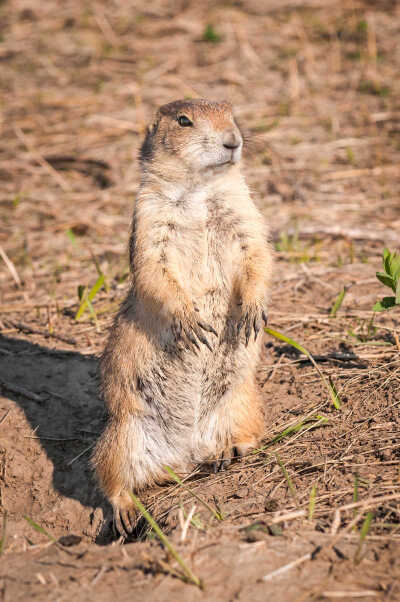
x=231 y=332
x=177 y=329
x=119 y=525
x=248 y=329
x=264 y=317
x=118 y=529
x=241 y=322
x=228 y=334
x=128 y=520
x=256 y=326
x=225 y=464
x=207 y=328
x=203 y=340
x=192 y=339
x=220 y=465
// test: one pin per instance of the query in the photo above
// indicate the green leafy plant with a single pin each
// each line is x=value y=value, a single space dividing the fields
x=389 y=277
x=211 y=35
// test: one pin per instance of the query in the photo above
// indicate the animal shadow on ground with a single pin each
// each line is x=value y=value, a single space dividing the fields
x=58 y=392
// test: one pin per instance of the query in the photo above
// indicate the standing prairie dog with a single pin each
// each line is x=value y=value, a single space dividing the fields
x=178 y=371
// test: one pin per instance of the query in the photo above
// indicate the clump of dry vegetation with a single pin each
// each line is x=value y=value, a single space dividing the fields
x=315 y=512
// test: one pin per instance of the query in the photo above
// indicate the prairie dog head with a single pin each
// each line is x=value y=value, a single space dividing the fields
x=195 y=135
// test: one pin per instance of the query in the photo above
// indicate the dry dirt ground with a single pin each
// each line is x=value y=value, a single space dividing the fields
x=316 y=86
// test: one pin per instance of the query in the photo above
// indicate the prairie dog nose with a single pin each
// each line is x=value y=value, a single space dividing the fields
x=231 y=139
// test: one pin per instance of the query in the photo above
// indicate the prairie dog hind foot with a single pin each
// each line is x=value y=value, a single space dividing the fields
x=236 y=452
x=125 y=514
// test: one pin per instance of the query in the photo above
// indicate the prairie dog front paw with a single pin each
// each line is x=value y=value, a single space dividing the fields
x=188 y=327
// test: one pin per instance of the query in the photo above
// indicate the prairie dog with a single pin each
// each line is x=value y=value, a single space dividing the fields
x=178 y=370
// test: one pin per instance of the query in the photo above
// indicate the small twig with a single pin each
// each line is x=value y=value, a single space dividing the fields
x=216 y=513
x=396 y=338
x=357 y=173
x=81 y=454
x=99 y=574
x=187 y=523
x=45 y=333
x=105 y=27
x=350 y=594
x=2 y=419
x=21 y=391
x=288 y=516
x=290 y=565
x=11 y=266
x=3 y=537
x=52 y=438
x=336 y=522
x=371 y=502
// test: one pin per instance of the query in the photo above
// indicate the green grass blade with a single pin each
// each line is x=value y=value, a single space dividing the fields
x=71 y=236
x=187 y=573
x=3 y=538
x=290 y=430
x=288 y=479
x=338 y=303
x=363 y=534
x=311 y=503
x=355 y=495
x=215 y=513
x=39 y=529
x=99 y=270
x=87 y=299
x=355 y=490
x=328 y=384
x=92 y=312
x=307 y=424
x=334 y=394
x=285 y=339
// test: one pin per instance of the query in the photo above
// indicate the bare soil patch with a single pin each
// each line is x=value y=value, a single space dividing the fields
x=316 y=87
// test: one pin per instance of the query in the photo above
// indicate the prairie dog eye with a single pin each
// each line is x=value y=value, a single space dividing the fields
x=184 y=121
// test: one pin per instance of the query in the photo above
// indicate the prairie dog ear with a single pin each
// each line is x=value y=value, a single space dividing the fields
x=147 y=148
x=151 y=128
